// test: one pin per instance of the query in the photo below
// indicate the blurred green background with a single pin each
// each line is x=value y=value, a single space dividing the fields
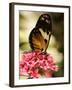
x=28 y=20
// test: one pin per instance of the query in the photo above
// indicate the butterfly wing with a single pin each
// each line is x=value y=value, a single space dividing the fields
x=37 y=40
x=46 y=36
x=40 y=35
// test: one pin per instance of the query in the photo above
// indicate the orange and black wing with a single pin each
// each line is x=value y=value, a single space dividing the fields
x=36 y=40
x=40 y=35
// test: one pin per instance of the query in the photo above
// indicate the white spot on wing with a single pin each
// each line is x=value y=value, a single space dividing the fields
x=44 y=34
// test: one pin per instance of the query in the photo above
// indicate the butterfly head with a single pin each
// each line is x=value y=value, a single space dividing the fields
x=45 y=22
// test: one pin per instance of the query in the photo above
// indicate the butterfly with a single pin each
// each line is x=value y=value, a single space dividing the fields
x=40 y=35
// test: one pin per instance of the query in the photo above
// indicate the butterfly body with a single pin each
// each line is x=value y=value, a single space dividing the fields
x=40 y=35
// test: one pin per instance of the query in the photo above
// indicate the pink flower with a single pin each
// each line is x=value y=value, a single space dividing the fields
x=23 y=68
x=34 y=73
x=32 y=62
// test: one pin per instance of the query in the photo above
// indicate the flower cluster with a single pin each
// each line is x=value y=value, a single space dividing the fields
x=34 y=64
